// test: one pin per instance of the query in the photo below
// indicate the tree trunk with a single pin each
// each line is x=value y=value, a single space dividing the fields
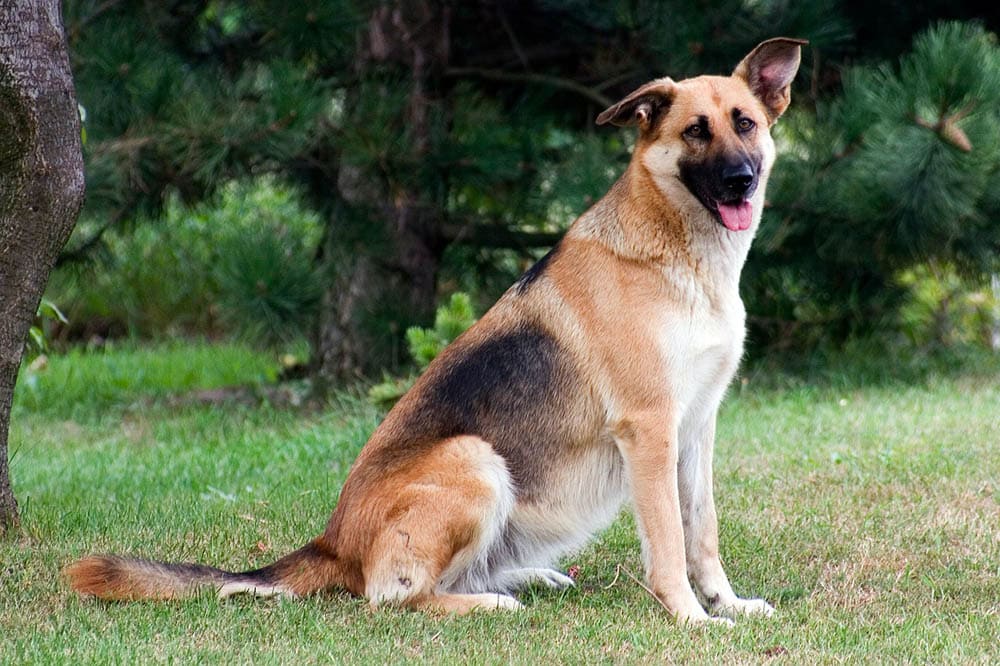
x=387 y=282
x=41 y=184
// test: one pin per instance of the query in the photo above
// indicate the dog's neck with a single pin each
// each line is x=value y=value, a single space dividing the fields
x=638 y=220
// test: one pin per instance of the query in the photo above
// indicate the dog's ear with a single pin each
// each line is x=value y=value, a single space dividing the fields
x=769 y=70
x=640 y=107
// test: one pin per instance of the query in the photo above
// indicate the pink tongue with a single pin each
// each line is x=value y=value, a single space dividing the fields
x=736 y=217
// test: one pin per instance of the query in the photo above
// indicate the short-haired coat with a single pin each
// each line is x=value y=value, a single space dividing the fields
x=594 y=380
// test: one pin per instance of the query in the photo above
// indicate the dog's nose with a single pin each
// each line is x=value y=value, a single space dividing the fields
x=737 y=178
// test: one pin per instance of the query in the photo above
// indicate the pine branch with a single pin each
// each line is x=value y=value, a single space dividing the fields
x=82 y=251
x=271 y=128
x=125 y=144
x=947 y=129
x=514 y=44
x=106 y=6
x=497 y=236
x=621 y=77
x=543 y=79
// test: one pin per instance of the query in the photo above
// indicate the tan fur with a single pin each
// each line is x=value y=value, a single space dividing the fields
x=111 y=578
x=595 y=379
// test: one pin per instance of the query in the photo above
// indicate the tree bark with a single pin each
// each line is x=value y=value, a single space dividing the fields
x=381 y=286
x=41 y=184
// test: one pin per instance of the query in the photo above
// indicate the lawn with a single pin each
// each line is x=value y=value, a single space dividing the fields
x=867 y=512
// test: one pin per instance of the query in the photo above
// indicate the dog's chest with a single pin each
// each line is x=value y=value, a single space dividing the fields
x=700 y=349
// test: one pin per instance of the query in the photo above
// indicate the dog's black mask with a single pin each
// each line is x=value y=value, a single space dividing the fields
x=724 y=186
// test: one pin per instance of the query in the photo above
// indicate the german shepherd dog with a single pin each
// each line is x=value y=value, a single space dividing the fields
x=595 y=379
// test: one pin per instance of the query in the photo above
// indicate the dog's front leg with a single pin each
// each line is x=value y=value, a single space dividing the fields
x=650 y=454
x=701 y=527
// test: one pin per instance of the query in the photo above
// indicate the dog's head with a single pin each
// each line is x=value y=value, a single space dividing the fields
x=706 y=141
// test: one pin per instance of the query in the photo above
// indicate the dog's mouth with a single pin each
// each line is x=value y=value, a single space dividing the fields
x=724 y=188
x=736 y=215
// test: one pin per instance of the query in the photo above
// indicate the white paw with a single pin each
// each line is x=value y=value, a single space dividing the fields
x=702 y=618
x=548 y=577
x=554 y=579
x=734 y=608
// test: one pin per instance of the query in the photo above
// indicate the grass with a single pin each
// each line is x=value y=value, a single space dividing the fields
x=867 y=513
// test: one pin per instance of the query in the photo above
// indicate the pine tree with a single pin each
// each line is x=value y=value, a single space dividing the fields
x=431 y=135
x=453 y=138
x=898 y=170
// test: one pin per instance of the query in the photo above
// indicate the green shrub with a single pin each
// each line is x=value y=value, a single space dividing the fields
x=946 y=309
x=40 y=331
x=267 y=279
x=239 y=266
x=450 y=321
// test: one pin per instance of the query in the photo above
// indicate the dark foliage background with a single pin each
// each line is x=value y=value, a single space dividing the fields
x=425 y=147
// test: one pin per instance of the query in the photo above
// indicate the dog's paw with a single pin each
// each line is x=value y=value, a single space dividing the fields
x=702 y=618
x=539 y=576
x=554 y=579
x=737 y=607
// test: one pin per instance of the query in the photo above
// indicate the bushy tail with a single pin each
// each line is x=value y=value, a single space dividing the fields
x=307 y=570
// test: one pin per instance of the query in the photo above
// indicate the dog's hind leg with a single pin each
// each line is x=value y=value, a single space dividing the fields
x=701 y=529
x=451 y=507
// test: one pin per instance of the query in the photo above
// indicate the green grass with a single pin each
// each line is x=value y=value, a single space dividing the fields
x=867 y=513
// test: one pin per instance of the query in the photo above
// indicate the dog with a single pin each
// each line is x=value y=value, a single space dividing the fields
x=594 y=380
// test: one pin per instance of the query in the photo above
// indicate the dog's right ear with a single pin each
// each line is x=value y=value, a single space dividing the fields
x=769 y=70
x=642 y=106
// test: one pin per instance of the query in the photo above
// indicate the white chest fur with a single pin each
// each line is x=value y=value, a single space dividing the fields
x=700 y=343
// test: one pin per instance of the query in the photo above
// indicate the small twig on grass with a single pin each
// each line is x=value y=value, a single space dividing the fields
x=643 y=586
x=618 y=570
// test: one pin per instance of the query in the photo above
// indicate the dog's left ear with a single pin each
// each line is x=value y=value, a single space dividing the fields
x=641 y=106
x=769 y=70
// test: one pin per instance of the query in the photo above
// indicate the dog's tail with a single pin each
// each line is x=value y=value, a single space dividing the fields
x=309 y=569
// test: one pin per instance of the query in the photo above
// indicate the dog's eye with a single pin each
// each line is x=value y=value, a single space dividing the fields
x=696 y=131
x=745 y=124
